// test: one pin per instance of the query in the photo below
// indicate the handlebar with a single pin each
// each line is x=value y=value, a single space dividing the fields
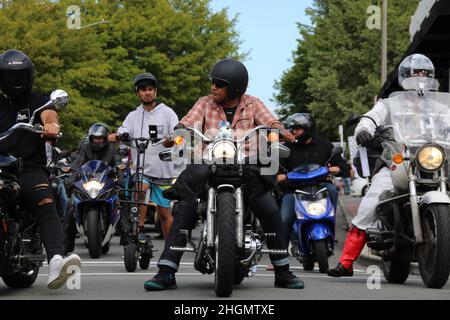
x=37 y=129
x=207 y=140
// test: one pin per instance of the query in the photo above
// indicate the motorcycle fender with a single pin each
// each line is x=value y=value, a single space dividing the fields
x=434 y=197
x=318 y=231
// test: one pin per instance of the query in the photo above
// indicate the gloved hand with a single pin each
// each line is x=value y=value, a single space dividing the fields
x=364 y=138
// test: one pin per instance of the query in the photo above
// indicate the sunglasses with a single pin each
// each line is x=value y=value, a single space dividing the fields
x=219 y=83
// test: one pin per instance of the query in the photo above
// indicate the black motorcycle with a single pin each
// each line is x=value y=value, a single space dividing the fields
x=21 y=250
x=229 y=245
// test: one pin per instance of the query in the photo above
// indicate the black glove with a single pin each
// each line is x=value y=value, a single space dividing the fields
x=364 y=138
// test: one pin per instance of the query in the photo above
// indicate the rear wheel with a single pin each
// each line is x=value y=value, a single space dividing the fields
x=433 y=254
x=225 y=244
x=21 y=279
x=308 y=264
x=396 y=270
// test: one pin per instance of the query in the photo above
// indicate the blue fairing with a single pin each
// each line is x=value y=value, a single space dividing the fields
x=308 y=175
x=6 y=160
x=98 y=171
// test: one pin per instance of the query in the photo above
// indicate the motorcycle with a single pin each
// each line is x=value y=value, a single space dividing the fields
x=94 y=200
x=228 y=247
x=415 y=216
x=131 y=199
x=21 y=249
x=314 y=229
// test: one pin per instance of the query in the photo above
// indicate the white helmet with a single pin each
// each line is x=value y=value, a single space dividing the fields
x=417 y=72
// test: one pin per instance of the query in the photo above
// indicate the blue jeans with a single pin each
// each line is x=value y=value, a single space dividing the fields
x=63 y=199
x=288 y=207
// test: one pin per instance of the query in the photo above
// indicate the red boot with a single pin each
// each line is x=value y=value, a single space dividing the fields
x=354 y=244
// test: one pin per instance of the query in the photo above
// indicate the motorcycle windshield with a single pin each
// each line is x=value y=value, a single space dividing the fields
x=95 y=170
x=307 y=172
x=419 y=119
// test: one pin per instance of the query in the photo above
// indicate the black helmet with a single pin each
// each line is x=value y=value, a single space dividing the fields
x=232 y=72
x=144 y=80
x=16 y=74
x=98 y=130
x=304 y=121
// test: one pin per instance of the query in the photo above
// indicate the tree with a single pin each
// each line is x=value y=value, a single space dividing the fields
x=177 y=40
x=336 y=69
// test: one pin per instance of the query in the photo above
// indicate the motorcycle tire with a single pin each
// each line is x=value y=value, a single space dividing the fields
x=93 y=233
x=226 y=243
x=70 y=232
x=433 y=255
x=396 y=270
x=321 y=252
x=308 y=264
x=130 y=255
x=144 y=261
x=21 y=280
x=106 y=247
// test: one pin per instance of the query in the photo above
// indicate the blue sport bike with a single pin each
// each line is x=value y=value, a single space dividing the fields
x=94 y=201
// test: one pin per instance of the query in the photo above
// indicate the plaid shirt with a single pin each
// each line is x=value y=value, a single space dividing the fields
x=251 y=112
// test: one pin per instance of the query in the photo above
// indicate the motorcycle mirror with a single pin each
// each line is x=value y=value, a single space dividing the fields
x=166 y=155
x=59 y=99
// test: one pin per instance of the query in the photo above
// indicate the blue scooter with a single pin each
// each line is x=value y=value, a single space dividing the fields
x=94 y=200
x=314 y=229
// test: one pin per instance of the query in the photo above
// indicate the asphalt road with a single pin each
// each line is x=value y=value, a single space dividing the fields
x=106 y=279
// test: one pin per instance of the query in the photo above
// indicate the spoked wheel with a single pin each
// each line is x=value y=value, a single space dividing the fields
x=433 y=254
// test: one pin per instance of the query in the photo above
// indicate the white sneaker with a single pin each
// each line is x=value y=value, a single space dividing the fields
x=57 y=270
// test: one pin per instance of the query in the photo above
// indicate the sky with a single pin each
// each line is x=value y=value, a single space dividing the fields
x=268 y=31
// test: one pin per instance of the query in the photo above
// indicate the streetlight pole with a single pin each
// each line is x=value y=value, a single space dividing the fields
x=384 y=44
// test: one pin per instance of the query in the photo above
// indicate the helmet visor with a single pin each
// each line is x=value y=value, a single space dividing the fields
x=16 y=79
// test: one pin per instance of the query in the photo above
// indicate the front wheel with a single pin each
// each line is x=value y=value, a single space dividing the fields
x=321 y=252
x=433 y=254
x=93 y=233
x=130 y=256
x=225 y=243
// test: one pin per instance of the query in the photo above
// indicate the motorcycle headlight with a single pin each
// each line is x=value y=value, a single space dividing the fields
x=93 y=188
x=430 y=157
x=224 y=149
x=315 y=208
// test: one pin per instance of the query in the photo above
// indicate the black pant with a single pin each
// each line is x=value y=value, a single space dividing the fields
x=38 y=198
x=185 y=217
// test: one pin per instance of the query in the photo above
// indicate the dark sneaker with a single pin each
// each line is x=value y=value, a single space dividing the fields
x=340 y=271
x=162 y=281
x=286 y=279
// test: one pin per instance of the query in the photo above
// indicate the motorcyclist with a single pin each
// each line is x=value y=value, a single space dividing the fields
x=96 y=147
x=17 y=104
x=158 y=175
x=309 y=148
x=227 y=101
x=415 y=70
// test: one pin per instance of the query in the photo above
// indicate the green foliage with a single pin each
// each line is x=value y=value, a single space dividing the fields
x=177 y=40
x=336 y=69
